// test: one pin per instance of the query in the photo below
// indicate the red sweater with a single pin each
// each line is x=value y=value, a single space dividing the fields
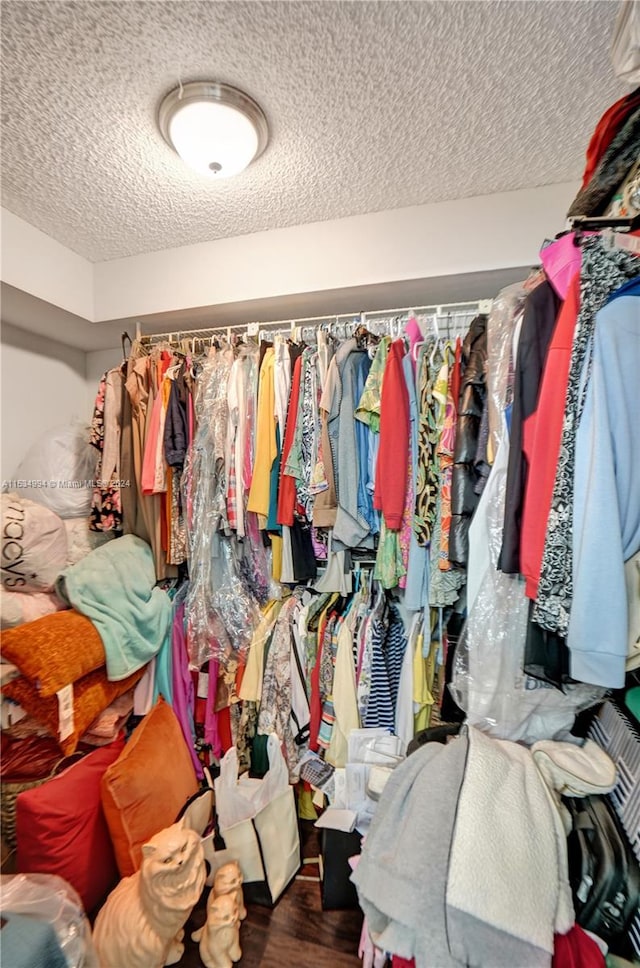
x=393 y=455
x=607 y=128
x=541 y=436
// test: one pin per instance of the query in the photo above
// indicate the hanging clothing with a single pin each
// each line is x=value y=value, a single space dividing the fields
x=464 y=498
x=275 y=705
x=541 y=433
x=393 y=455
x=429 y=362
x=286 y=493
x=106 y=510
x=540 y=315
x=612 y=169
x=603 y=271
x=417 y=577
x=266 y=447
x=350 y=529
x=606 y=496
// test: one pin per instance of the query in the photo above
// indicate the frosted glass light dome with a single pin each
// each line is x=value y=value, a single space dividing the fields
x=217 y=130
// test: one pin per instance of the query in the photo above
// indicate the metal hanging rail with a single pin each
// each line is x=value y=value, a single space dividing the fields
x=436 y=313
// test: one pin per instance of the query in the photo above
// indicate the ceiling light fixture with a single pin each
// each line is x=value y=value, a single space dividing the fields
x=216 y=129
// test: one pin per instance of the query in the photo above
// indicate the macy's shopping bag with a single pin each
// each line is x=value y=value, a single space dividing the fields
x=259 y=825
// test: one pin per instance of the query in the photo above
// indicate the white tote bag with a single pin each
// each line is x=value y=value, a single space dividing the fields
x=259 y=825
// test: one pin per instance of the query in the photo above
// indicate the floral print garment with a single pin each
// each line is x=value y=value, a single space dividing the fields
x=429 y=364
x=106 y=507
x=446 y=449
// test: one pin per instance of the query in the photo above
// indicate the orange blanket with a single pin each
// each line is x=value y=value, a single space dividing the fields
x=91 y=695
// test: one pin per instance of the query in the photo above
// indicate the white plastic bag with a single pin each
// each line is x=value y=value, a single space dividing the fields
x=625 y=46
x=63 y=462
x=33 y=546
x=46 y=897
x=243 y=799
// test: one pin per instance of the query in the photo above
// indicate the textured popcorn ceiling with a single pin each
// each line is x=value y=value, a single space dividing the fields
x=371 y=106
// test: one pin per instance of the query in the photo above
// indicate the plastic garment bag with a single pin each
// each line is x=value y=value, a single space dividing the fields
x=220 y=611
x=488 y=679
x=48 y=899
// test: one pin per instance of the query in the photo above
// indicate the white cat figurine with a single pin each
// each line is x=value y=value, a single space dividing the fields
x=142 y=922
x=228 y=880
x=220 y=937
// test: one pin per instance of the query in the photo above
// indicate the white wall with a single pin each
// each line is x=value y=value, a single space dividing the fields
x=43 y=386
x=98 y=362
x=448 y=238
x=455 y=238
x=37 y=264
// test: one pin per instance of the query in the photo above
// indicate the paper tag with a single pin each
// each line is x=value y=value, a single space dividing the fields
x=253 y=329
x=65 y=711
x=203 y=685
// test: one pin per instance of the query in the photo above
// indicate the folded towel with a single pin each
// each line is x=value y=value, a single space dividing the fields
x=504 y=890
x=114 y=586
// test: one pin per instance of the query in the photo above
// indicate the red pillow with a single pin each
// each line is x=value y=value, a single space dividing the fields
x=61 y=828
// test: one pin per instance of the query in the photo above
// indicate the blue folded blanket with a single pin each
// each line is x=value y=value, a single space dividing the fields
x=114 y=587
x=28 y=942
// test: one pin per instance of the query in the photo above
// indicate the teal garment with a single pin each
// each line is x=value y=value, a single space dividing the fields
x=632 y=701
x=163 y=679
x=416 y=594
x=114 y=587
x=274 y=481
x=30 y=942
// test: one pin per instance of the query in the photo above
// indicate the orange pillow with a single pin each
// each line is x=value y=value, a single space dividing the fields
x=91 y=696
x=54 y=650
x=147 y=786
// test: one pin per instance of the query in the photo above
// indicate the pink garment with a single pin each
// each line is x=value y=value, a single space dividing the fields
x=151 y=448
x=561 y=260
x=211 y=733
x=414 y=335
x=372 y=957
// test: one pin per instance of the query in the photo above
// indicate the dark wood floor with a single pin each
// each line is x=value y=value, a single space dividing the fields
x=297 y=933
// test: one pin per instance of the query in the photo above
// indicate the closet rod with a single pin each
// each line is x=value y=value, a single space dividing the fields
x=460 y=308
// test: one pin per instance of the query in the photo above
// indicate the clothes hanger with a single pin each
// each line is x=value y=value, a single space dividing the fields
x=583 y=223
x=123 y=339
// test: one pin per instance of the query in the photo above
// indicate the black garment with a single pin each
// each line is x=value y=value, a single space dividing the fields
x=304 y=562
x=615 y=165
x=473 y=391
x=482 y=451
x=546 y=655
x=176 y=434
x=450 y=711
x=540 y=314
